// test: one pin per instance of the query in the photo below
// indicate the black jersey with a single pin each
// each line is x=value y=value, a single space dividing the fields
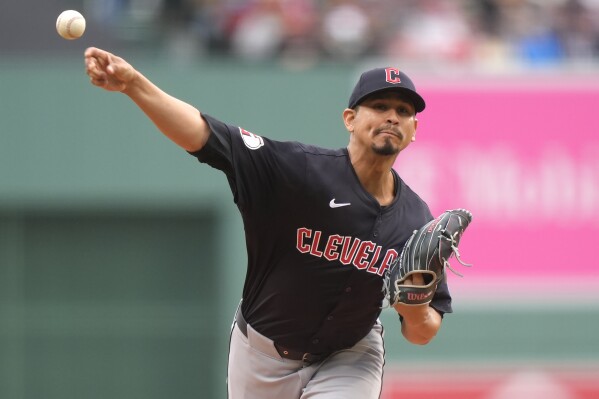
x=318 y=243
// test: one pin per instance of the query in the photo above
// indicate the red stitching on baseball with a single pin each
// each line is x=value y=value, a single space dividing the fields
x=70 y=21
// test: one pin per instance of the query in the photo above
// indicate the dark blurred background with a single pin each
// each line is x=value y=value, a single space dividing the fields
x=122 y=259
x=491 y=33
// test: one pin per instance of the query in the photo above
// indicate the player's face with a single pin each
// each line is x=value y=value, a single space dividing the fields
x=386 y=123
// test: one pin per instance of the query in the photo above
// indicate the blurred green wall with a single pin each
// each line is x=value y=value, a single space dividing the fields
x=122 y=258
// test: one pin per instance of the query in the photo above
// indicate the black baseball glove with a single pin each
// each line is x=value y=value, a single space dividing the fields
x=427 y=251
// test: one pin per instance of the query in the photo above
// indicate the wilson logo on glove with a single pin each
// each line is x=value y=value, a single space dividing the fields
x=413 y=296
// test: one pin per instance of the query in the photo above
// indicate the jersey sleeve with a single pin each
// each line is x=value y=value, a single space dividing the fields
x=217 y=151
x=256 y=167
x=442 y=299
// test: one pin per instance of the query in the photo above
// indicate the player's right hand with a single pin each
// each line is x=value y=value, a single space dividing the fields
x=108 y=71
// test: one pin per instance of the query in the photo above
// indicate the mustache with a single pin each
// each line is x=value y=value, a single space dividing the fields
x=389 y=128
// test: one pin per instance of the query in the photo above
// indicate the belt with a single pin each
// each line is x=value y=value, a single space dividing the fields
x=285 y=353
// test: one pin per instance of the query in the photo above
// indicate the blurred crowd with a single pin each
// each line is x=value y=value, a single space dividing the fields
x=493 y=32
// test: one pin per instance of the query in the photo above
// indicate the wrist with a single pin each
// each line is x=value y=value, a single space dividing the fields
x=414 y=314
x=133 y=85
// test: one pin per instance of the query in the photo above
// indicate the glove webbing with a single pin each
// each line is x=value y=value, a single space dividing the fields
x=454 y=249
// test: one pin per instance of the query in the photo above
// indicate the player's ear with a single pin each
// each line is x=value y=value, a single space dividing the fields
x=415 y=129
x=348 y=119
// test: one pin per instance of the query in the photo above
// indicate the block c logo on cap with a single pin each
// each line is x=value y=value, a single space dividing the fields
x=393 y=75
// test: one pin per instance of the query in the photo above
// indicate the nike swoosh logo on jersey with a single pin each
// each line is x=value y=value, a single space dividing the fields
x=333 y=204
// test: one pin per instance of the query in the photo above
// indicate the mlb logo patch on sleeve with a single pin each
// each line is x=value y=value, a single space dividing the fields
x=251 y=140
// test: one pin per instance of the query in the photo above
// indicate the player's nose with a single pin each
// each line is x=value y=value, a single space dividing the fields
x=392 y=117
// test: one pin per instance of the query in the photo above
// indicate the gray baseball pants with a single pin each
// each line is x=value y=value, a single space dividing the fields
x=257 y=371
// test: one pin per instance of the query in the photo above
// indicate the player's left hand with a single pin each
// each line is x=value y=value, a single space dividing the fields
x=413 y=277
x=412 y=311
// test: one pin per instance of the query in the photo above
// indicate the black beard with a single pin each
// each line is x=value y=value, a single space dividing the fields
x=386 y=149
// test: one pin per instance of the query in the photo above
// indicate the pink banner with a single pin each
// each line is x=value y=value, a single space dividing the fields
x=524 y=158
x=492 y=383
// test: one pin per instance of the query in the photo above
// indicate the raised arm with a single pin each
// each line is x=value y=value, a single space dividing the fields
x=179 y=121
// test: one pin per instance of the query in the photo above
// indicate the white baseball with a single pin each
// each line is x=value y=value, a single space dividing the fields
x=70 y=24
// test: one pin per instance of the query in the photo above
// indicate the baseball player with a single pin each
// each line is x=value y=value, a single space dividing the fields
x=322 y=226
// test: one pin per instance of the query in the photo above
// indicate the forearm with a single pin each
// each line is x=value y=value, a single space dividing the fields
x=176 y=119
x=420 y=323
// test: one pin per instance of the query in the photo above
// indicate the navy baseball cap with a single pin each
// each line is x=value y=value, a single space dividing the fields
x=382 y=79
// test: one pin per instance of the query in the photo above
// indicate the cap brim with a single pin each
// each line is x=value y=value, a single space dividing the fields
x=416 y=99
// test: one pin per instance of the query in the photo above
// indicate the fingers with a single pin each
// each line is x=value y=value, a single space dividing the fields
x=107 y=70
x=95 y=62
x=99 y=66
x=418 y=279
x=93 y=52
x=414 y=279
x=93 y=68
x=96 y=76
x=101 y=57
x=98 y=82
